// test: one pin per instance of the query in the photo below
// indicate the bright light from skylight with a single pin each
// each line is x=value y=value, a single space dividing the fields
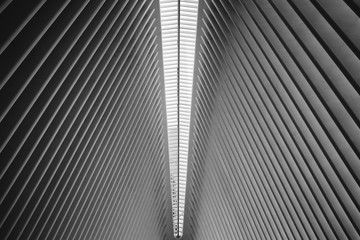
x=178 y=93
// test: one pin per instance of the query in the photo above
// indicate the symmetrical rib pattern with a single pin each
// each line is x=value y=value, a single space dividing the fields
x=83 y=147
x=275 y=142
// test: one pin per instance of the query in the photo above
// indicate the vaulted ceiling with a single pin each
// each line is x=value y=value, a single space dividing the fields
x=274 y=143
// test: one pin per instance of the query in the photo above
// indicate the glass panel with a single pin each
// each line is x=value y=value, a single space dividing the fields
x=178 y=94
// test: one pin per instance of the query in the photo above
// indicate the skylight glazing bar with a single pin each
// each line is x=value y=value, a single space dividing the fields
x=178 y=20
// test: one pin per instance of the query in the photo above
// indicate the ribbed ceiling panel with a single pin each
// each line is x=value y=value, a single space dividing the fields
x=83 y=146
x=276 y=129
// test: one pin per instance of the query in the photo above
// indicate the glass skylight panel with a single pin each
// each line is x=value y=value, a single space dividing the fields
x=178 y=60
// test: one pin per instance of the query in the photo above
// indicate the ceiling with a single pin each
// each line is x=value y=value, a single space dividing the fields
x=274 y=142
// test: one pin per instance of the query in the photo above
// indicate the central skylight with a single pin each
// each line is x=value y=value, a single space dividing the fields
x=178 y=28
